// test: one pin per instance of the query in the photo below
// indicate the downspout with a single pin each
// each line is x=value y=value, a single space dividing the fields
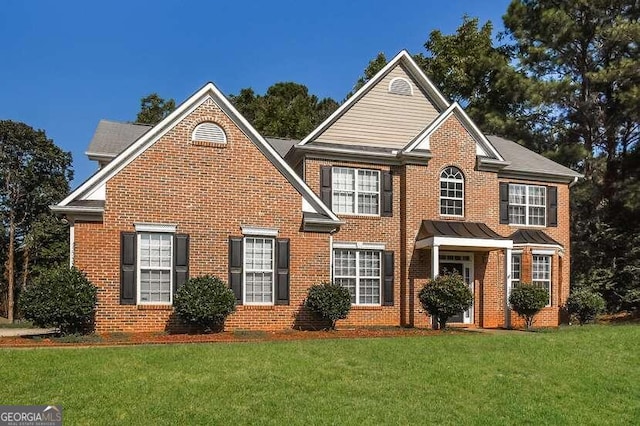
x=575 y=180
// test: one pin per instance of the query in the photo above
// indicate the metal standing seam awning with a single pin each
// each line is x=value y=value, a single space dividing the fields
x=460 y=234
x=536 y=238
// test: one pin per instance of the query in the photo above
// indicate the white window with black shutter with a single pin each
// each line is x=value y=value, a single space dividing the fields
x=154 y=262
x=366 y=273
x=353 y=191
x=259 y=267
x=528 y=205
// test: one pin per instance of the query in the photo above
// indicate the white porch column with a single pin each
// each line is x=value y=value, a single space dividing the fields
x=435 y=261
x=507 y=274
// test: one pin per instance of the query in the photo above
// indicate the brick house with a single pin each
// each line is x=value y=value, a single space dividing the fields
x=396 y=186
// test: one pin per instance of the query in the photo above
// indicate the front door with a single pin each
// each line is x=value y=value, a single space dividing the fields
x=450 y=264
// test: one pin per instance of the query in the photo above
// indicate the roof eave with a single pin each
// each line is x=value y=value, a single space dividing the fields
x=487 y=164
x=540 y=176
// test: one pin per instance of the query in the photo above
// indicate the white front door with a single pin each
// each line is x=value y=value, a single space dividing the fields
x=462 y=263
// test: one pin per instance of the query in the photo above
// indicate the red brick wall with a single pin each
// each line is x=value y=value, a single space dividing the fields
x=416 y=197
x=209 y=192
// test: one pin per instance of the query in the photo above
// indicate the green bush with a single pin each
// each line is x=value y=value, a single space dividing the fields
x=329 y=301
x=527 y=300
x=61 y=297
x=445 y=296
x=204 y=302
x=585 y=305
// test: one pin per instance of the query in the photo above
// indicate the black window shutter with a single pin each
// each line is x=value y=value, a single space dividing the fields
x=387 y=194
x=552 y=206
x=504 y=203
x=235 y=267
x=387 y=294
x=282 y=272
x=128 y=268
x=180 y=260
x=325 y=185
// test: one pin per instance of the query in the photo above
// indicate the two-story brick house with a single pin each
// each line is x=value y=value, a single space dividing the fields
x=396 y=186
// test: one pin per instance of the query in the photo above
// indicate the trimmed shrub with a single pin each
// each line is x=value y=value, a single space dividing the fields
x=329 y=301
x=61 y=297
x=527 y=300
x=204 y=302
x=445 y=296
x=585 y=305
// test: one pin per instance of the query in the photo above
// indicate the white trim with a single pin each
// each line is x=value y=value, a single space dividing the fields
x=359 y=246
x=72 y=241
x=435 y=261
x=244 y=271
x=544 y=252
x=515 y=250
x=508 y=253
x=465 y=264
x=463 y=242
x=156 y=227
x=214 y=125
x=402 y=56
x=208 y=91
x=100 y=193
x=401 y=94
x=256 y=230
x=139 y=274
x=422 y=140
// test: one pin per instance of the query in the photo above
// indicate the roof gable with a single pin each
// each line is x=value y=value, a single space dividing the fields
x=361 y=121
x=208 y=92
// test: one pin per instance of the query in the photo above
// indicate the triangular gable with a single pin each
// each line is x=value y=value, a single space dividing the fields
x=311 y=202
x=401 y=59
x=484 y=148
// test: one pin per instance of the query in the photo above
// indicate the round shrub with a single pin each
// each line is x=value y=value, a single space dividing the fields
x=585 y=305
x=204 y=302
x=527 y=300
x=61 y=297
x=445 y=296
x=329 y=301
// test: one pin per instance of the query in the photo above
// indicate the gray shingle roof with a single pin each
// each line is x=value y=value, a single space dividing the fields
x=524 y=160
x=111 y=137
x=282 y=146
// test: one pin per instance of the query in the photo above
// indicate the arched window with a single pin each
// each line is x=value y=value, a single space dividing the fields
x=400 y=86
x=208 y=132
x=451 y=192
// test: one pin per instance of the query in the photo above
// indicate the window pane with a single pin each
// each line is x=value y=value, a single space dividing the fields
x=368 y=203
x=155 y=286
x=344 y=263
x=517 y=215
x=451 y=192
x=516 y=262
x=368 y=180
x=258 y=263
x=517 y=194
x=369 y=291
x=349 y=284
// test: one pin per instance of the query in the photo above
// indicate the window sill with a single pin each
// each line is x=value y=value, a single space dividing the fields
x=154 y=307
x=255 y=307
x=359 y=216
x=366 y=307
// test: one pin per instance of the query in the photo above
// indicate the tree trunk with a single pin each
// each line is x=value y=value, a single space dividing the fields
x=10 y=267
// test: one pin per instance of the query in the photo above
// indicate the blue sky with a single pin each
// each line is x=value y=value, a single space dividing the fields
x=64 y=65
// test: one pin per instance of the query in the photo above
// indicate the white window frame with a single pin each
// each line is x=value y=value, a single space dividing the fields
x=516 y=282
x=527 y=205
x=358 y=277
x=544 y=282
x=356 y=191
x=450 y=180
x=245 y=269
x=161 y=268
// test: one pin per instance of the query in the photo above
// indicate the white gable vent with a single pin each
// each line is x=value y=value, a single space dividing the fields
x=209 y=132
x=400 y=86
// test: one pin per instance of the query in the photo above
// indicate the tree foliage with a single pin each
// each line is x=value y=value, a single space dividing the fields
x=61 y=297
x=34 y=173
x=329 y=301
x=286 y=110
x=205 y=302
x=527 y=300
x=153 y=109
x=445 y=296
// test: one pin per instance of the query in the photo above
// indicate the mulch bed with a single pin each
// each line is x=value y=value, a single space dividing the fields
x=124 y=339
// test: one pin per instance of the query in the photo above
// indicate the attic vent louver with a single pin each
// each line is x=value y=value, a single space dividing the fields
x=400 y=86
x=209 y=132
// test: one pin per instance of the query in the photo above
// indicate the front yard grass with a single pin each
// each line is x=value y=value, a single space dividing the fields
x=577 y=375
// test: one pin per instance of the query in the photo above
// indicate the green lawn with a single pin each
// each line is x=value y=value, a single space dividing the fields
x=574 y=376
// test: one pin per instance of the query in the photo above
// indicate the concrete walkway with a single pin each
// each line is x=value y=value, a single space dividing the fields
x=19 y=332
